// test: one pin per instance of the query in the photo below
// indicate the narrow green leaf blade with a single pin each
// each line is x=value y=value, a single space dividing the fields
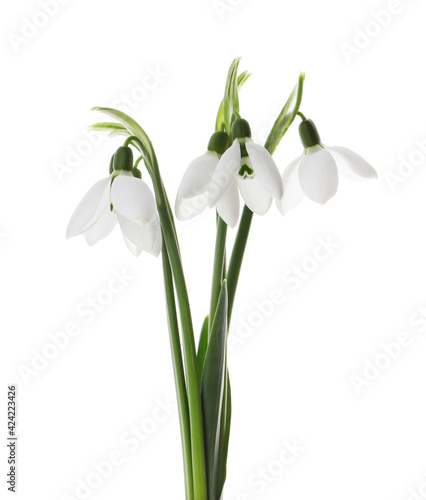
x=202 y=346
x=225 y=430
x=242 y=78
x=286 y=117
x=106 y=127
x=212 y=389
x=132 y=126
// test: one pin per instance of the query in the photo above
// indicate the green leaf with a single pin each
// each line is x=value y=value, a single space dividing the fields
x=229 y=107
x=107 y=127
x=132 y=126
x=286 y=117
x=121 y=132
x=212 y=389
x=225 y=429
x=202 y=346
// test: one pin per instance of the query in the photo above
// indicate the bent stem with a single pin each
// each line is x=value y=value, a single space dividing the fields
x=179 y=375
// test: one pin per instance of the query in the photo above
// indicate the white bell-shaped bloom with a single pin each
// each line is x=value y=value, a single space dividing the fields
x=246 y=167
x=121 y=198
x=316 y=173
x=192 y=197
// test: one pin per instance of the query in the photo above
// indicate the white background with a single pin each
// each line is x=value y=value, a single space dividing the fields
x=291 y=375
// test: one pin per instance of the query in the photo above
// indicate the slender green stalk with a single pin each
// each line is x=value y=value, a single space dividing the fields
x=189 y=349
x=218 y=265
x=237 y=255
x=179 y=375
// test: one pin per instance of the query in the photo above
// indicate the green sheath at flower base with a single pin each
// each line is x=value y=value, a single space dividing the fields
x=240 y=129
x=123 y=159
x=309 y=134
x=219 y=142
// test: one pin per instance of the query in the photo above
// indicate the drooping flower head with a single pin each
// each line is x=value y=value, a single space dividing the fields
x=246 y=167
x=192 y=197
x=121 y=197
x=315 y=173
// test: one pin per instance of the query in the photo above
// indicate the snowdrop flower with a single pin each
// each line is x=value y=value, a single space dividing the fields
x=121 y=197
x=315 y=173
x=192 y=198
x=246 y=167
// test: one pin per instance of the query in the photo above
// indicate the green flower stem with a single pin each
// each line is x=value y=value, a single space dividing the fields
x=189 y=349
x=218 y=265
x=179 y=375
x=144 y=145
x=237 y=256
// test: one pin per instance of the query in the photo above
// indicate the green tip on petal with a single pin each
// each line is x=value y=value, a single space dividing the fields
x=219 y=142
x=309 y=134
x=240 y=129
x=123 y=159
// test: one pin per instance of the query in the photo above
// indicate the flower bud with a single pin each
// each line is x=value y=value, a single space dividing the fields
x=309 y=134
x=123 y=159
x=219 y=142
x=240 y=129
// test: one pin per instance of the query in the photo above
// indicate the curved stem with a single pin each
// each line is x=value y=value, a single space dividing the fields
x=218 y=265
x=299 y=113
x=130 y=139
x=179 y=375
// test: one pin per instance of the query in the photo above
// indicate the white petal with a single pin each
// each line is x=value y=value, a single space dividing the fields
x=265 y=169
x=255 y=197
x=192 y=198
x=142 y=237
x=190 y=207
x=156 y=249
x=228 y=207
x=133 y=231
x=94 y=203
x=293 y=193
x=224 y=175
x=132 y=247
x=318 y=174
x=101 y=228
x=198 y=175
x=132 y=199
x=353 y=165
